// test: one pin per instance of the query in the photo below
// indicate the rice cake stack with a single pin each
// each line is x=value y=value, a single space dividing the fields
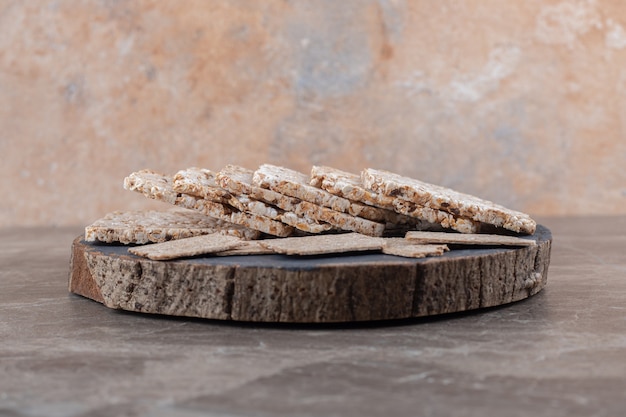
x=159 y=187
x=238 y=180
x=350 y=186
x=153 y=226
x=276 y=200
x=405 y=190
x=318 y=204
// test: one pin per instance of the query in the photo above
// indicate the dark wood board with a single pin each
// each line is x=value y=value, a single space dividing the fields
x=320 y=289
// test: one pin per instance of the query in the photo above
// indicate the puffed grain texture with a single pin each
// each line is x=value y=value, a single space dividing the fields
x=296 y=184
x=466 y=239
x=159 y=187
x=407 y=249
x=200 y=182
x=350 y=186
x=192 y=246
x=324 y=244
x=446 y=199
x=154 y=226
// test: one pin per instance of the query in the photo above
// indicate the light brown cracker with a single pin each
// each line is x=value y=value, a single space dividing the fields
x=159 y=187
x=192 y=246
x=297 y=184
x=446 y=199
x=324 y=244
x=252 y=247
x=305 y=216
x=350 y=186
x=155 y=226
x=407 y=249
x=467 y=239
x=200 y=182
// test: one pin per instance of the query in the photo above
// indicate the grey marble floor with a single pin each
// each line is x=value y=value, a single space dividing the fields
x=560 y=353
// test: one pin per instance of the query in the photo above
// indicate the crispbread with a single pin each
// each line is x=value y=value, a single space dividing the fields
x=238 y=180
x=200 y=182
x=151 y=184
x=155 y=226
x=403 y=247
x=159 y=187
x=252 y=247
x=442 y=198
x=192 y=246
x=465 y=239
x=253 y=206
x=305 y=224
x=303 y=215
x=350 y=186
x=342 y=221
x=429 y=215
x=324 y=244
x=297 y=184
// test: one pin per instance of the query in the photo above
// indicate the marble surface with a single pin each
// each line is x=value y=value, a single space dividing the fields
x=519 y=102
x=559 y=353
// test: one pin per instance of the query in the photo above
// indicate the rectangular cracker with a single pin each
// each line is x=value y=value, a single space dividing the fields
x=304 y=215
x=200 y=182
x=238 y=180
x=191 y=246
x=339 y=220
x=324 y=244
x=305 y=224
x=296 y=184
x=252 y=247
x=464 y=239
x=403 y=247
x=159 y=187
x=144 y=226
x=446 y=199
x=350 y=186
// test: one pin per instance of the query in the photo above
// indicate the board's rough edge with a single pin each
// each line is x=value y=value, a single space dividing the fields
x=326 y=294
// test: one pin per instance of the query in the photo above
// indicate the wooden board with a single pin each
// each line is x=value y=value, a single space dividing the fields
x=318 y=289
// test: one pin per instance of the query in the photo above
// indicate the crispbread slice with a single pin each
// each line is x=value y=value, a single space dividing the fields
x=324 y=244
x=304 y=215
x=350 y=186
x=465 y=239
x=159 y=187
x=440 y=217
x=305 y=224
x=442 y=198
x=342 y=221
x=253 y=206
x=191 y=246
x=347 y=185
x=403 y=247
x=296 y=184
x=200 y=182
x=238 y=180
x=252 y=247
x=141 y=226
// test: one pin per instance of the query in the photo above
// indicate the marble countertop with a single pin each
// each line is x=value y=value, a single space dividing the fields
x=559 y=353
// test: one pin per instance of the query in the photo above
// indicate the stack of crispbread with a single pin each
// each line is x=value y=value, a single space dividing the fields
x=371 y=209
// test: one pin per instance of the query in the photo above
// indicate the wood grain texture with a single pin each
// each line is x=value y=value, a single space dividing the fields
x=279 y=288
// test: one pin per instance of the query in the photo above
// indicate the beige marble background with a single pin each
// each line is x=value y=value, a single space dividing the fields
x=520 y=102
